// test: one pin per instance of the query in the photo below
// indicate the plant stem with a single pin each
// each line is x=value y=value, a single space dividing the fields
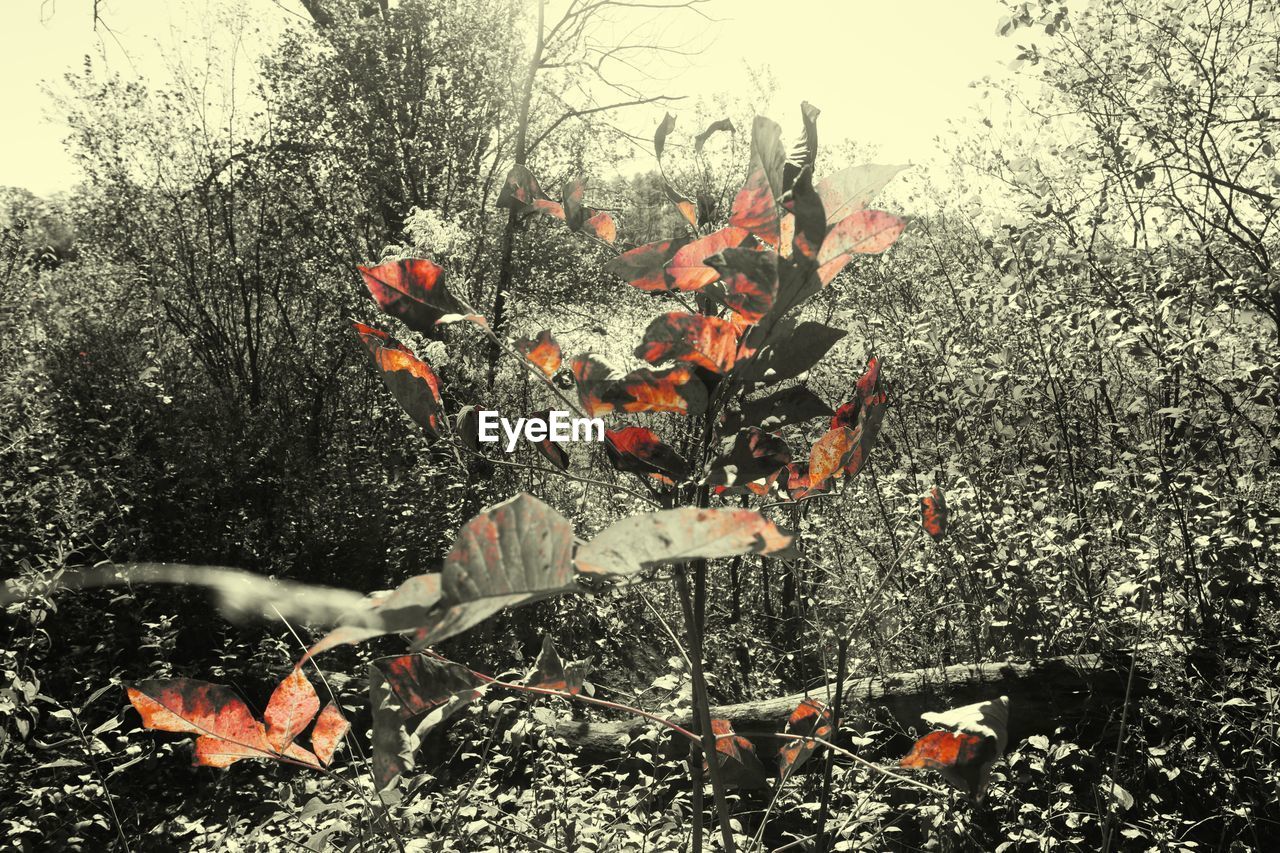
x=702 y=710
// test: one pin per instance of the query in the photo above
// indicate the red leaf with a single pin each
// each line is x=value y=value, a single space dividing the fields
x=866 y=232
x=708 y=342
x=637 y=450
x=293 y=704
x=934 y=514
x=644 y=267
x=227 y=729
x=797 y=485
x=810 y=719
x=521 y=191
x=688 y=271
x=542 y=351
x=866 y=433
x=331 y=727
x=869 y=382
x=411 y=290
x=675 y=389
x=601 y=225
x=594 y=380
x=847 y=415
x=964 y=760
x=411 y=381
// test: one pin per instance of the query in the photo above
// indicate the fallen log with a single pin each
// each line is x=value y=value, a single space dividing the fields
x=1043 y=696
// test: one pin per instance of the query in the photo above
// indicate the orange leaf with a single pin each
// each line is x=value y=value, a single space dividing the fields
x=212 y=711
x=293 y=703
x=964 y=760
x=831 y=453
x=411 y=381
x=542 y=351
x=644 y=267
x=675 y=389
x=687 y=270
x=331 y=727
x=708 y=342
x=412 y=291
x=810 y=719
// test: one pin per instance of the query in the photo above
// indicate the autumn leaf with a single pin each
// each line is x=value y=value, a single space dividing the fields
x=571 y=202
x=411 y=381
x=412 y=291
x=708 y=342
x=522 y=192
x=686 y=207
x=740 y=766
x=542 y=351
x=808 y=220
x=810 y=719
x=866 y=232
x=794 y=480
x=676 y=389
x=934 y=514
x=637 y=450
x=227 y=731
x=975 y=738
x=626 y=547
x=687 y=269
x=831 y=453
x=601 y=225
x=748 y=281
x=508 y=555
x=644 y=267
x=755 y=207
x=330 y=728
x=552 y=451
x=292 y=706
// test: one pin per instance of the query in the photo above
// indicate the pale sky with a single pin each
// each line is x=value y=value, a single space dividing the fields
x=886 y=74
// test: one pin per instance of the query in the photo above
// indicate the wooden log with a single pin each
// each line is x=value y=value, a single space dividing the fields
x=1043 y=695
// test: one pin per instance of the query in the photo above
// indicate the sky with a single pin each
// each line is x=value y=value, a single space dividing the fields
x=886 y=74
